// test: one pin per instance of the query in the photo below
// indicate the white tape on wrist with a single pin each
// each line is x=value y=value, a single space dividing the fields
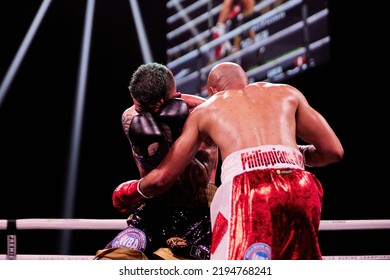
x=139 y=190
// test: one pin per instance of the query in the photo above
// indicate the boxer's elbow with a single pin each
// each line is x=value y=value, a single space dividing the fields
x=336 y=155
x=317 y=157
x=331 y=156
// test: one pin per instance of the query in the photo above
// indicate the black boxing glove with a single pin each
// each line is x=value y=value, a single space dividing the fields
x=173 y=114
x=145 y=135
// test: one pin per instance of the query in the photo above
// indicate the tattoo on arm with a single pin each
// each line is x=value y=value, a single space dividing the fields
x=126 y=121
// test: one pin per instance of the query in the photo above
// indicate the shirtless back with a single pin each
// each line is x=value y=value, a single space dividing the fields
x=274 y=114
x=273 y=210
x=265 y=115
x=239 y=115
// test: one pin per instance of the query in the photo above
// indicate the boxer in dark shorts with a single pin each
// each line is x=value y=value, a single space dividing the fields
x=178 y=220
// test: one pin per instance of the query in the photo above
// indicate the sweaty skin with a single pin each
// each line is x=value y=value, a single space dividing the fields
x=239 y=115
x=267 y=206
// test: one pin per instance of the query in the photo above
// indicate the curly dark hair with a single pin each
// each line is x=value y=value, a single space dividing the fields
x=150 y=83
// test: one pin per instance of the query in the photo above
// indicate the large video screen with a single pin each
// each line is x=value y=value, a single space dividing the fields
x=273 y=40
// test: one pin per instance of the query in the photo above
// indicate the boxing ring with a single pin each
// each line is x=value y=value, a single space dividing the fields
x=12 y=227
x=290 y=39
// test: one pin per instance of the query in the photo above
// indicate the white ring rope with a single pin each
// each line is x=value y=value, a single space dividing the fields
x=67 y=224
x=354 y=224
x=49 y=257
x=86 y=257
x=119 y=224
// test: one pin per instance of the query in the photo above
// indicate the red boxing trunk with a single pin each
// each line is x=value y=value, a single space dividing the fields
x=268 y=207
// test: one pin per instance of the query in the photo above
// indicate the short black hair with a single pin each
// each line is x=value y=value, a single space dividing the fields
x=150 y=83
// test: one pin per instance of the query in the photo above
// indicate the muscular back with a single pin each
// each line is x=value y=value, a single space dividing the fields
x=267 y=109
x=239 y=116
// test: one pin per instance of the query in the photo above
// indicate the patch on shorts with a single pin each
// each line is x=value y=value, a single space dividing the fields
x=132 y=238
x=258 y=251
x=284 y=171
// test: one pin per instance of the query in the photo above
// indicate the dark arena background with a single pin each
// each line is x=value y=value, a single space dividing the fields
x=64 y=72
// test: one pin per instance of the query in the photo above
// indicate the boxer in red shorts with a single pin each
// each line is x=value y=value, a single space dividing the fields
x=268 y=206
x=274 y=210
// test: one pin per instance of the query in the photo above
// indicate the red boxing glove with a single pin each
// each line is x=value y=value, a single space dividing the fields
x=127 y=196
x=235 y=11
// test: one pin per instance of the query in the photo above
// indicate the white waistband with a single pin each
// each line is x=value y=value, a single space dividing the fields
x=261 y=157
